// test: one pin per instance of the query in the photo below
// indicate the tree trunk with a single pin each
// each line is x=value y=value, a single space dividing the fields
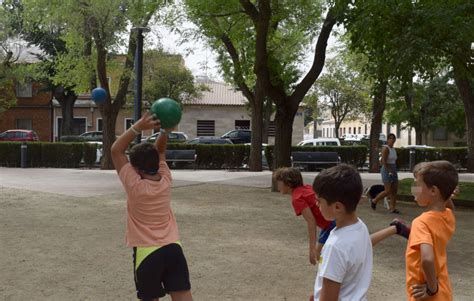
x=418 y=136
x=465 y=87
x=255 y=163
x=109 y=119
x=376 y=125
x=267 y=115
x=66 y=99
x=284 y=118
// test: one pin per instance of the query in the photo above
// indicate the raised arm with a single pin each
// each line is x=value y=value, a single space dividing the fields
x=121 y=144
x=161 y=143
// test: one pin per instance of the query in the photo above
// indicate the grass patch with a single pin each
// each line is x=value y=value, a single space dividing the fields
x=466 y=189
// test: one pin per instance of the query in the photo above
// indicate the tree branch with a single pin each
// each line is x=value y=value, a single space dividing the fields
x=319 y=57
x=250 y=10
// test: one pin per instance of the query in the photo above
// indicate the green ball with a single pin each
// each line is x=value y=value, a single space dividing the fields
x=168 y=111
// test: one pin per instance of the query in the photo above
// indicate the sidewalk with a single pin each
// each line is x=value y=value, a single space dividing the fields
x=86 y=182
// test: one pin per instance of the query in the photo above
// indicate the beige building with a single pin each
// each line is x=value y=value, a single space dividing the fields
x=405 y=136
x=223 y=109
x=216 y=112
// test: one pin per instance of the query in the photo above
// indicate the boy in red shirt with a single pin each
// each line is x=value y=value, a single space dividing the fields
x=304 y=203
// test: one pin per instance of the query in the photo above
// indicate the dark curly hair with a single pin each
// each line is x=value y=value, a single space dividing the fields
x=145 y=157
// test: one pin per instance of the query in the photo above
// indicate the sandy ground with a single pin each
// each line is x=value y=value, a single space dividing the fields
x=241 y=244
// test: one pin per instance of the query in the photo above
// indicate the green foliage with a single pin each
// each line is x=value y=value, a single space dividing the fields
x=48 y=154
x=342 y=91
x=429 y=98
x=455 y=155
x=466 y=191
x=164 y=75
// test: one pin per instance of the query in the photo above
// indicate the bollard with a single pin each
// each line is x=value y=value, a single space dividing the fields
x=412 y=158
x=24 y=149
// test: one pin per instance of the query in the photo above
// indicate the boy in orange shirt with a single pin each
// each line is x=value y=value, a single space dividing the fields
x=426 y=258
x=160 y=267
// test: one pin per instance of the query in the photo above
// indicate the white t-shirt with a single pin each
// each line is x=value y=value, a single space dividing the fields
x=346 y=258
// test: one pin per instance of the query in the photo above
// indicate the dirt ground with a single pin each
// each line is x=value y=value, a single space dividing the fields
x=241 y=244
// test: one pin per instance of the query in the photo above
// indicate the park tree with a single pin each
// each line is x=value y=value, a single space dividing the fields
x=428 y=99
x=43 y=25
x=101 y=27
x=165 y=75
x=260 y=46
x=417 y=38
x=342 y=91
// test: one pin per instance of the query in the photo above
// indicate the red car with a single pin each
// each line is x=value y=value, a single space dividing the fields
x=19 y=135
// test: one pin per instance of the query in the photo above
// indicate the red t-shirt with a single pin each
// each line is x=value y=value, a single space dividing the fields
x=304 y=197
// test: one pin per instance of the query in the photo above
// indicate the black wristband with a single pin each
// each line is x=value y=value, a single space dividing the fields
x=429 y=292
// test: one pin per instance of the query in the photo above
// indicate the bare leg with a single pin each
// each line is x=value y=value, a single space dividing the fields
x=380 y=235
x=383 y=194
x=181 y=296
x=393 y=196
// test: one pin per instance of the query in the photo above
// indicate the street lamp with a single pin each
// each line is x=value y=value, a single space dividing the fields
x=137 y=107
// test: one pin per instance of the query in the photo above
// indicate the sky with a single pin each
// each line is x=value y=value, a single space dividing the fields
x=202 y=56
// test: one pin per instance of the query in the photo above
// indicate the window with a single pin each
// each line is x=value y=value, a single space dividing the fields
x=99 y=125
x=205 y=127
x=78 y=126
x=344 y=130
x=359 y=130
x=24 y=90
x=271 y=128
x=365 y=129
x=354 y=131
x=24 y=124
x=128 y=123
x=242 y=124
x=440 y=134
x=399 y=131
x=350 y=130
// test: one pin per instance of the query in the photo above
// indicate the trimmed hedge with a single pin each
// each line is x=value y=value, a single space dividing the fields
x=355 y=155
x=47 y=154
x=455 y=155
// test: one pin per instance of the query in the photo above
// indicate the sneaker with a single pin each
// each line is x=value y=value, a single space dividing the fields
x=402 y=228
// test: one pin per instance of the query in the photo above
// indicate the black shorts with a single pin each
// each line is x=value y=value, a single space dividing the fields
x=160 y=271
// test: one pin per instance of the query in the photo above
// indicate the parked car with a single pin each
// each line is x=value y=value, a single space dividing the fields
x=209 y=140
x=320 y=141
x=173 y=137
x=92 y=136
x=19 y=135
x=264 y=159
x=99 y=153
x=238 y=136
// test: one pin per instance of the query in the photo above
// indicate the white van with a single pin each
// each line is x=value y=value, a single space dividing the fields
x=320 y=142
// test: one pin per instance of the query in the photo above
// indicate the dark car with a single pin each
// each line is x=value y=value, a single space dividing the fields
x=173 y=137
x=238 y=136
x=92 y=136
x=209 y=140
x=19 y=135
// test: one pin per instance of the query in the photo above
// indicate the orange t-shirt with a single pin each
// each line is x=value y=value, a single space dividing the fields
x=150 y=220
x=434 y=228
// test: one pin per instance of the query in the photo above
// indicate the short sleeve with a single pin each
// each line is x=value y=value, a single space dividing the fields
x=164 y=171
x=128 y=176
x=334 y=264
x=299 y=203
x=419 y=234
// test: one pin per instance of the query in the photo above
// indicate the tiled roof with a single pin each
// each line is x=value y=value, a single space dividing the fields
x=219 y=94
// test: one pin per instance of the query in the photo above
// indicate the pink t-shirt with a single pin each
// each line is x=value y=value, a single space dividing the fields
x=150 y=220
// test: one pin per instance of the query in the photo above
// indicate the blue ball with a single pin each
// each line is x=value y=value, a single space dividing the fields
x=99 y=95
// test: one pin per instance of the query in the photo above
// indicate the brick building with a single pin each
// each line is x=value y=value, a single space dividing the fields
x=33 y=111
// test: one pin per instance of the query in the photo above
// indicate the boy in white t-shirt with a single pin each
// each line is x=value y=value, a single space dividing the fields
x=345 y=265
